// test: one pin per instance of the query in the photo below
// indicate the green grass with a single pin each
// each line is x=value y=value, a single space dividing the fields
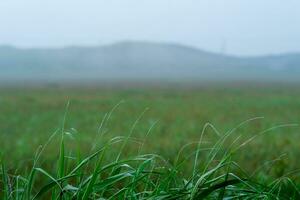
x=150 y=143
x=144 y=176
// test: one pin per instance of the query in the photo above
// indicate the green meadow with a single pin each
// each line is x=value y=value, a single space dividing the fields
x=200 y=142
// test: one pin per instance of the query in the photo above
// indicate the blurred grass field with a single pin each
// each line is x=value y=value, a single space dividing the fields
x=176 y=117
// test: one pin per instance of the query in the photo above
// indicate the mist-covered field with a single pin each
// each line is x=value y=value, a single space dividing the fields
x=262 y=122
x=149 y=100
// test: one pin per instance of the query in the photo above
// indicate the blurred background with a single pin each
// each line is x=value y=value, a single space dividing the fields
x=191 y=41
x=189 y=62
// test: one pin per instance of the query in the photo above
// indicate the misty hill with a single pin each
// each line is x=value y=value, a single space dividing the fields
x=140 y=61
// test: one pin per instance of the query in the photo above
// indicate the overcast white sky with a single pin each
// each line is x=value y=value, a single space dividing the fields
x=243 y=27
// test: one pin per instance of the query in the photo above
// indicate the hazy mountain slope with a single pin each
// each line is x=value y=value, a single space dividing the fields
x=140 y=60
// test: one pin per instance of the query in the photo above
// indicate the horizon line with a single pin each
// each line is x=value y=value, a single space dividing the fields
x=58 y=47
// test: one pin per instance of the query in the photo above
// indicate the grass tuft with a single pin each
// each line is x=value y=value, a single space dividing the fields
x=105 y=175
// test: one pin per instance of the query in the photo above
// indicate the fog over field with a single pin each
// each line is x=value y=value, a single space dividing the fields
x=79 y=41
x=149 y=100
x=137 y=60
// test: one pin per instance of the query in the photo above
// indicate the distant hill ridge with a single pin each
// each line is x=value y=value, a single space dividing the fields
x=141 y=61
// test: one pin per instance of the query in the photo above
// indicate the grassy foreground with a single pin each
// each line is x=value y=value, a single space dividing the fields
x=151 y=144
x=143 y=176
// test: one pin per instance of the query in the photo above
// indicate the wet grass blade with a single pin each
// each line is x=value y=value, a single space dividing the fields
x=95 y=175
x=5 y=181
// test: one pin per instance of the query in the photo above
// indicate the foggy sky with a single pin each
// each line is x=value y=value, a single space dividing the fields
x=241 y=27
